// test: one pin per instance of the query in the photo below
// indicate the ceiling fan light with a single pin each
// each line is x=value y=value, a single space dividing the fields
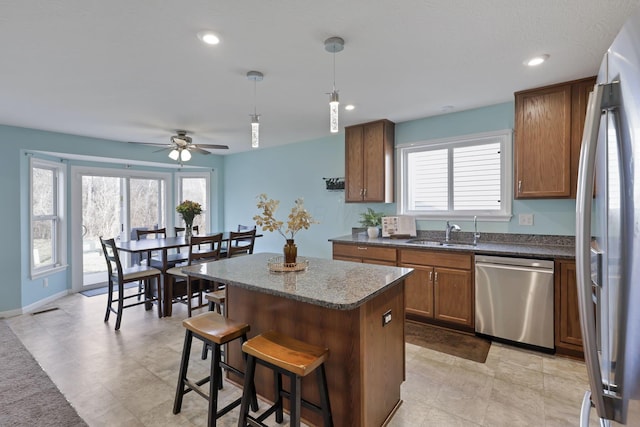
x=185 y=155
x=174 y=154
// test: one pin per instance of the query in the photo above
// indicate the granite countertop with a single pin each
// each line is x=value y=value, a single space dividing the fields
x=517 y=245
x=333 y=284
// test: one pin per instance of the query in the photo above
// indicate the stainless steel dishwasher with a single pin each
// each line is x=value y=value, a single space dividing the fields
x=514 y=299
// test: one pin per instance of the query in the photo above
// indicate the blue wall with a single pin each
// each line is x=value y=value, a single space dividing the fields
x=296 y=170
x=17 y=290
x=284 y=173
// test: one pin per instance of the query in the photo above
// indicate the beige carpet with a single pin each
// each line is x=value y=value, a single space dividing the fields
x=447 y=341
x=28 y=397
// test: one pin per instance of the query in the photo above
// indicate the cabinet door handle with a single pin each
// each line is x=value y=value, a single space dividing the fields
x=436 y=277
x=360 y=248
x=361 y=192
x=519 y=186
x=365 y=193
x=431 y=276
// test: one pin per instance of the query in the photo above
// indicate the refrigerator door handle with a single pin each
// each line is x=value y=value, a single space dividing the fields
x=586 y=174
x=585 y=412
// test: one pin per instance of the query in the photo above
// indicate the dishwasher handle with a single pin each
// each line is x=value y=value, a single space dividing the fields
x=515 y=267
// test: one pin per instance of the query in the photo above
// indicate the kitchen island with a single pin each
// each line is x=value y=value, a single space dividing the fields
x=355 y=310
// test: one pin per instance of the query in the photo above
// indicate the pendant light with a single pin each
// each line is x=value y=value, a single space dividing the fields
x=256 y=76
x=334 y=45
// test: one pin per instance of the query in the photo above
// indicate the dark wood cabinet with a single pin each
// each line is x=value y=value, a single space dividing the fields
x=568 y=335
x=364 y=253
x=418 y=291
x=369 y=158
x=441 y=287
x=548 y=135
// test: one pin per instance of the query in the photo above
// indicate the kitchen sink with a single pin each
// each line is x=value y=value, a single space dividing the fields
x=435 y=243
x=424 y=242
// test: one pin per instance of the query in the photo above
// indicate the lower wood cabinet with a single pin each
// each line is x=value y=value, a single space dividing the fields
x=441 y=287
x=568 y=335
x=364 y=253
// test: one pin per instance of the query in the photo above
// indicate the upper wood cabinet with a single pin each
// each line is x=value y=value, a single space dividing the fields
x=549 y=123
x=369 y=157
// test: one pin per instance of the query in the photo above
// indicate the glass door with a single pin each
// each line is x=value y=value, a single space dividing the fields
x=101 y=216
x=115 y=206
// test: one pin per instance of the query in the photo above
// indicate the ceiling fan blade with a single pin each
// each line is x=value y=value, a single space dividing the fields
x=197 y=149
x=213 y=146
x=163 y=149
x=152 y=144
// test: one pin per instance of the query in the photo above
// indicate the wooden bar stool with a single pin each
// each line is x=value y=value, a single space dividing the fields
x=296 y=359
x=216 y=301
x=215 y=331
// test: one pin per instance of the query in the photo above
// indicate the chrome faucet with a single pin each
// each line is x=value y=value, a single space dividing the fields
x=476 y=235
x=449 y=229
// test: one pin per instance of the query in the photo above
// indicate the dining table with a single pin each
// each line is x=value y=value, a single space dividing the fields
x=164 y=245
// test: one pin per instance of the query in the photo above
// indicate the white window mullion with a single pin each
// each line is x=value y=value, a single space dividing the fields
x=452 y=173
x=462 y=176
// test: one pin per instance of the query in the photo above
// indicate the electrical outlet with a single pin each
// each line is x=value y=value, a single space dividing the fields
x=45 y=282
x=386 y=318
x=525 y=219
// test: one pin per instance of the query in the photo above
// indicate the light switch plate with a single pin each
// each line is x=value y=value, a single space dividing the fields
x=525 y=219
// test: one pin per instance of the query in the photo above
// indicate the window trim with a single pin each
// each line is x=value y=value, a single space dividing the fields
x=60 y=241
x=506 y=163
x=206 y=213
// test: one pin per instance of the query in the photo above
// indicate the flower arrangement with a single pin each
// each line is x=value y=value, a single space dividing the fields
x=298 y=218
x=189 y=210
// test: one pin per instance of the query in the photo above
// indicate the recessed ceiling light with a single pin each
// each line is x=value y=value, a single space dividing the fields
x=349 y=107
x=208 y=37
x=536 y=60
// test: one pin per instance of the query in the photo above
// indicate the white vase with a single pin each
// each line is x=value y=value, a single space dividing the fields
x=372 y=232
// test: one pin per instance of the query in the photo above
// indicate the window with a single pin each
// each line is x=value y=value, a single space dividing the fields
x=457 y=177
x=194 y=187
x=47 y=220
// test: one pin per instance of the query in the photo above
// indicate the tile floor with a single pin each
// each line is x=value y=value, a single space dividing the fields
x=128 y=378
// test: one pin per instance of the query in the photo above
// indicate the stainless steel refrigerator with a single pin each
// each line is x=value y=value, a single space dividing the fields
x=608 y=236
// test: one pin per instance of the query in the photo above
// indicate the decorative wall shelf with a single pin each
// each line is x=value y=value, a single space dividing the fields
x=334 y=184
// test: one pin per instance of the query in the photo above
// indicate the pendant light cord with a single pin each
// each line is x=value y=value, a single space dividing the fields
x=254 y=98
x=334 y=70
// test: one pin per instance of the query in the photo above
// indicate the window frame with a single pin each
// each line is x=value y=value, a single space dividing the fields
x=59 y=242
x=206 y=211
x=504 y=137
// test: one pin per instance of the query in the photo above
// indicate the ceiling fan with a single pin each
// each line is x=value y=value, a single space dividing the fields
x=181 y=146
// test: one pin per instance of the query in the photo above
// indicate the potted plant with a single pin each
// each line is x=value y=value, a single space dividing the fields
x=372 y=220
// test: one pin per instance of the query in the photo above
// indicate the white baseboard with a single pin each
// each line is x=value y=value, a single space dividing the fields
x=33 y=307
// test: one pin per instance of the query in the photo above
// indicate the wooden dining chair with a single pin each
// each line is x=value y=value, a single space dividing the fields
x=241 y=243
x=119 y=276
x=246 y=227
x=202 y=249
x=178 y=232
x=155 y=260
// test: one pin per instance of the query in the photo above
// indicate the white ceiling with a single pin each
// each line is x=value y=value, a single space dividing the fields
x=135 y=70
